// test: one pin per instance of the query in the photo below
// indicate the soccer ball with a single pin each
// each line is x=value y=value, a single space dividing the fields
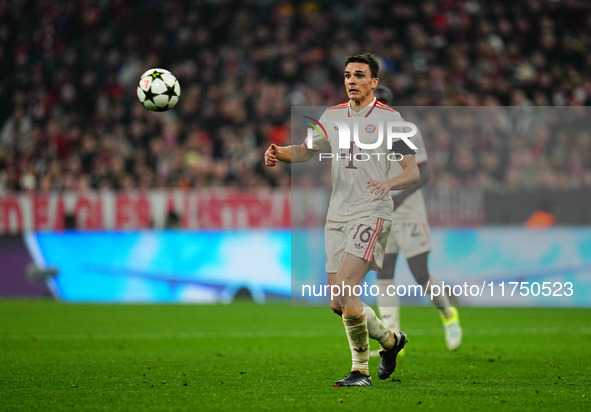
x=158 y=90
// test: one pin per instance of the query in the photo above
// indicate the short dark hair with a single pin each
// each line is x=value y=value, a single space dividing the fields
x=367 y=58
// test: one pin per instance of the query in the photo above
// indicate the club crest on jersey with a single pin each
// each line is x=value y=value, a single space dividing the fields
x=370 y=128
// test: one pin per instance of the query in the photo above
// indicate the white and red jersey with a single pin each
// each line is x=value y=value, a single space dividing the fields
x=352 y=167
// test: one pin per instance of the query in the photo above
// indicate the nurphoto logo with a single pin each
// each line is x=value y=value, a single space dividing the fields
x=349 y=133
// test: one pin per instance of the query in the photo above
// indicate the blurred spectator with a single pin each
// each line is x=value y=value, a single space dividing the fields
x=68 y=71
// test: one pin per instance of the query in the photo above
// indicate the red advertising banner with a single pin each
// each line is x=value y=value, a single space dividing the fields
x=210 y=209
x=239 y=209
x=143 y=210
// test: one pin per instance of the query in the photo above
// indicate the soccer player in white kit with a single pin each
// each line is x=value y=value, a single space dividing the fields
x=360 y=210
x=410 y=234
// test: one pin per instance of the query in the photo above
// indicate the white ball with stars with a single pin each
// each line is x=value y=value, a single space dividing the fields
x=158 y=90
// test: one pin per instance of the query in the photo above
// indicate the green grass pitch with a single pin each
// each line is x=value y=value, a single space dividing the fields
x=57 y=356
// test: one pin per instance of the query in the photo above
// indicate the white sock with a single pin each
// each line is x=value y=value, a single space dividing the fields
x=358 y=337
x=389 y=306
x=440 y=301
x=375 y=327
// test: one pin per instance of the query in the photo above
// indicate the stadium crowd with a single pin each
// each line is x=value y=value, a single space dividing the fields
x=70 y=119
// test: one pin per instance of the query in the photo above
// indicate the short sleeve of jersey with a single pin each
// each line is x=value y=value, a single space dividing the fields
x=317 y=136
x=421 y=152
x=402 y=148
x=399 y=146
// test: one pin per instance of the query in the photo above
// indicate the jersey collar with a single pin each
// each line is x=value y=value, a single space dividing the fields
x=363 y=112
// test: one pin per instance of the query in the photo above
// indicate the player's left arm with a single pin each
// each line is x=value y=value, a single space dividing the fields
x=410 y=175
x=425 y=173
x=410 y=172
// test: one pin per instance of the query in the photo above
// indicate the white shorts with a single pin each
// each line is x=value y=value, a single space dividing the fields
x=363 y=237
x=410 y=238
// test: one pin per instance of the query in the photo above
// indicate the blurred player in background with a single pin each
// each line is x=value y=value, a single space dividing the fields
x=360 y=210
x=410 y=235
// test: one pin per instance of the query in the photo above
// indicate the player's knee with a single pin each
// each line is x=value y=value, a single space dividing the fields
x=337 y=310
x=387 y=271
x=422 y=278
x=419 y=269
x=384 y=274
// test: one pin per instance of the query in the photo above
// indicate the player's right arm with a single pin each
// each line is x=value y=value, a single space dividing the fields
x=288 y=154
x=298 y=153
